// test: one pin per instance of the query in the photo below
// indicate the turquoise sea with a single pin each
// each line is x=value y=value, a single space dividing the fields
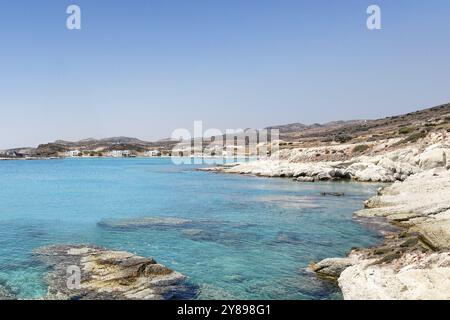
x=250 y=237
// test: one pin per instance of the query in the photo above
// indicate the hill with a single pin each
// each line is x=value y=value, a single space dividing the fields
x=410 y=127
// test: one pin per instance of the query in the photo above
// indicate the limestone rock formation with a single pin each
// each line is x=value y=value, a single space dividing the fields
x=331 y=267
x=110 y=275
x=433 y=158
x=388 y=166
x=414 y=276
x=414 y=264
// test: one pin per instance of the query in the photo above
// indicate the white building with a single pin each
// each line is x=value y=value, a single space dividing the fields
x=72 y=153
x=120 y=153
x=153 y=153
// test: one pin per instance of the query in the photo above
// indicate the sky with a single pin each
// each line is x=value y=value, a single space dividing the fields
x=145 y=68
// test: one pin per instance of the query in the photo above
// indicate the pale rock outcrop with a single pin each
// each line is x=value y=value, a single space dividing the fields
x=390 y=166
x=422 y=195
x=365 y=169
x=417 y=267
x=415 y=276
x=110 y=275
x=435 y=231
x=433 y=158
x=370 y=172
x=331 y=267
x=413 y=264
x=404 y=155
x=396 y=165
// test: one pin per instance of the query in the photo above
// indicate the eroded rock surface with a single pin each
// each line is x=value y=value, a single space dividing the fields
x=413 y=276
x=111 y=275
x=412 y=264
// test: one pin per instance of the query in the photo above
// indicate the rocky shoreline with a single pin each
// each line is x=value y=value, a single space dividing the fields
x=109 y=275
x=414 y=261
x=382 y=164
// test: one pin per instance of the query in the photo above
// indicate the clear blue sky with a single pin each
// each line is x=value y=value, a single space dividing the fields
x=145 y=68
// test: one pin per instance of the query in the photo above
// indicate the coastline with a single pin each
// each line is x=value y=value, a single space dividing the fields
x=413 y=262
x=136 y=157
x=30 y=159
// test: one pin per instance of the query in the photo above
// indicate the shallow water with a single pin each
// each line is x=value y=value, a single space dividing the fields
x=247 y=237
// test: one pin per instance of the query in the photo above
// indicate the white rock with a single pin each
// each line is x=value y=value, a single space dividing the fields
x=433 y=158
x=415 y=276
x=331 y=267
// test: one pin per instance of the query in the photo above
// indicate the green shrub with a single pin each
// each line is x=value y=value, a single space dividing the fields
x=405 y=130
x=360 y=148
x=415 y=137
x=343 y=137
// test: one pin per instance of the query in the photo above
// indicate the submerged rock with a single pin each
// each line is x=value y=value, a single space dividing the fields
x=225 y=232
x=192 y=232
x=143 y=222
x=290 y=202
x=228 y=238
x=288 y=237
x=334 y=194
x=6 y=293
x=211 y=292
x=110 y=275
